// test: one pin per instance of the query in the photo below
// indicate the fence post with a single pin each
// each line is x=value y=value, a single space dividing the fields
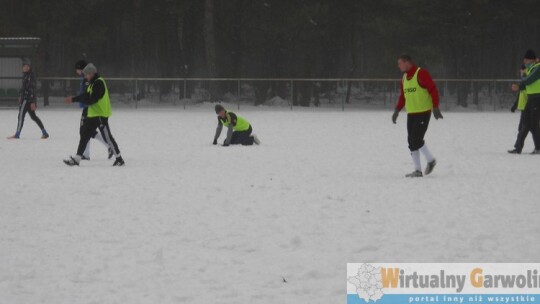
x=136 y=94
x=292 y=94
x=185 y=87
x=343 y=97
x=493 y=100
x=446 y=95
x=238 y=94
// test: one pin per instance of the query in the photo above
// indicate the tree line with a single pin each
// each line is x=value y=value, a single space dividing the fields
x=277 y=38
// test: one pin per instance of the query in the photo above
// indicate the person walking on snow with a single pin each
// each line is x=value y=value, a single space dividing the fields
x=27 y=101
x=238 y=129
x=419 y=96
x=531 y=83
x=523 y=131
x=79 y=66
x=98 y=101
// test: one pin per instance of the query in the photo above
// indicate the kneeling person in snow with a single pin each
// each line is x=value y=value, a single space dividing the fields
x=99 y=110
x=238 y=129
x=419 y=96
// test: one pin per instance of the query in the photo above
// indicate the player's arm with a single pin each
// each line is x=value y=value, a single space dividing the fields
x=425 y=81
x=98 y=90
x=218 y=131
x=230 y=128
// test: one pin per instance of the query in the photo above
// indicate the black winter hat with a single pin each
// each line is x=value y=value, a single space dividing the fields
x=530 y=54
x=80 y=65
x=219 y=108
x=27 y=61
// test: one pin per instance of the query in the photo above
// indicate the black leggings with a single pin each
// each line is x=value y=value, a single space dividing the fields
x=24 y=108
x=417 y=125
x=88 y=130
x=532 y=118
x=242 y=137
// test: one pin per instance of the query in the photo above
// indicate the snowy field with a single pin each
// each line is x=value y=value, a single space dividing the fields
x=189 y=222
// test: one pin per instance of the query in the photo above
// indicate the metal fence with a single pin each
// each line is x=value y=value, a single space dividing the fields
x=475 y=94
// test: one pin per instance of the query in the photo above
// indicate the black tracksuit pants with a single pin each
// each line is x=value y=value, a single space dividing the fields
x=242 y=137
x=24 y=108
x=523 y=131
x=532 y=118
x=84 y=117
x=88 y=130
x=417 y=125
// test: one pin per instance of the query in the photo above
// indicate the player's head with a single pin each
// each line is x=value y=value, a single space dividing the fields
x=529 y=58
x=89 y=71
x=26 y=65
x=405 y=63
x=79 y=66
x=220 y=110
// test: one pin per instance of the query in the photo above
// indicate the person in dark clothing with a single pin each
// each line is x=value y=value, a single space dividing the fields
x=419 y=95
x=238 y=129
x=27 y=102
x=531 y=84
x=79 y=66
x=98 y=101
x=519 y=104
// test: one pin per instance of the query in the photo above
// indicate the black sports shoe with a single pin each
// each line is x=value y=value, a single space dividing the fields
x=71 y=161
x=119 y=162
x=515 y=151
x=430 y=166
x=85 y=158
x=415 y=174
x=111 y=153
x=535 y=152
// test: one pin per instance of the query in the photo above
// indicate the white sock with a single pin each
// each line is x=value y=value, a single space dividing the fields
x=100 y=138
x=87 y=150
x=426 y=153
x=416 y=160
x=77 y=158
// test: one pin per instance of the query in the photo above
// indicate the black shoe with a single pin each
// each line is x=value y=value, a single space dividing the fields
x=71 y=161
x=85 y=158
x=111 y=153
x=415 y=174
x=515 y=151
x=119 y=162
x=430 y=166
x=535 y=152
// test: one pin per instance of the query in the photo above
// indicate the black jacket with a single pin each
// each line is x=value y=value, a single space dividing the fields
x=28 y=88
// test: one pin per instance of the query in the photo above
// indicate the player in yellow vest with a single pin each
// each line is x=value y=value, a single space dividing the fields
x=531 y=83
x=238 y=129
x=98 y=101
x=419 y=96
x=523 y=131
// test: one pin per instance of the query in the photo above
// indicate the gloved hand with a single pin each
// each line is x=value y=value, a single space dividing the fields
x=513 y=108
x=215 y=142
x=437 y=113
x=394 y=116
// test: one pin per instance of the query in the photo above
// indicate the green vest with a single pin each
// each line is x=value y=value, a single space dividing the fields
x=102 y=108
x=522 y=100
x=417 y=99
x=241 y=123
x=533 y=88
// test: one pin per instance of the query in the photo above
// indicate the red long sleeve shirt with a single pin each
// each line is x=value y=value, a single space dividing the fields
x=425 y=81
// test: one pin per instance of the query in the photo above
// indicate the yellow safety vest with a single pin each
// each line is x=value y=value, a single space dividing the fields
x=533 y=88
x=102 y=108
x=417 y=98
x=241 y=123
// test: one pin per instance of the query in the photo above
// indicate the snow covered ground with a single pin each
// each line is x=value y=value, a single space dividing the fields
x=188 y=222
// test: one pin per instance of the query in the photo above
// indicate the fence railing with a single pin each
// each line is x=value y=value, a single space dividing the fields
x=479 y=94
